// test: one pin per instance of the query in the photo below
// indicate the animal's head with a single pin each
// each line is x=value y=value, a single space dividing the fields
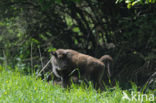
x=60 y=53
x=60 y=59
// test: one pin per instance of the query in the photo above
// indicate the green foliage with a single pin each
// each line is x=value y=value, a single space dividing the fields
x=131 y=3
x=30 y=29
x=16 y=88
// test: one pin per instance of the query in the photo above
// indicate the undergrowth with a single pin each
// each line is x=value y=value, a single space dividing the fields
x=19 y=88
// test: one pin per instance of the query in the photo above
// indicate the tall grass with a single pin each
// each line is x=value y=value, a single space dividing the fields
x=18 y=88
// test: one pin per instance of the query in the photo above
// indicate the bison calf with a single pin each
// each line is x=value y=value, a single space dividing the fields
x=66 y=61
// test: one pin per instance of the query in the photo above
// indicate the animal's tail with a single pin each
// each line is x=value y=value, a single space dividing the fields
x=107 y=60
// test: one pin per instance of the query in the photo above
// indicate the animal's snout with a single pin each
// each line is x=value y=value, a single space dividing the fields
x=54 y=53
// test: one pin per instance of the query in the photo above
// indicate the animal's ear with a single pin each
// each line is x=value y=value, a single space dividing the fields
x=54 y=53
x=68 y=53
x=64 y=54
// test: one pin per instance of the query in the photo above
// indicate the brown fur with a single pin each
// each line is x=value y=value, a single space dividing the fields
x=107 y=60
x=67 y=60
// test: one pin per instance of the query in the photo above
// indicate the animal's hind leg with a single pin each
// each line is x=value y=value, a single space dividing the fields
x=97 y=80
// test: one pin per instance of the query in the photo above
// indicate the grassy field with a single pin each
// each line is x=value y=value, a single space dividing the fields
x=18 y=88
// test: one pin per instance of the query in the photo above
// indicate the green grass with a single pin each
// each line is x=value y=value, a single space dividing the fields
x=19 y=88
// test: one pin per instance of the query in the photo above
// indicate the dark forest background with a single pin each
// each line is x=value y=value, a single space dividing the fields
x=124 y=29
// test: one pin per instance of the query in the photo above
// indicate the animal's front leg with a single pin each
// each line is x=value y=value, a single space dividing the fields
x=66 y=82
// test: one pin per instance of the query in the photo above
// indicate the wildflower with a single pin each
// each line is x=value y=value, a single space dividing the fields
x=35 y=88
x=7 y=81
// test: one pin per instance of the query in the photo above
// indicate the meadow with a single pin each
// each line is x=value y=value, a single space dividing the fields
x=16 y=87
